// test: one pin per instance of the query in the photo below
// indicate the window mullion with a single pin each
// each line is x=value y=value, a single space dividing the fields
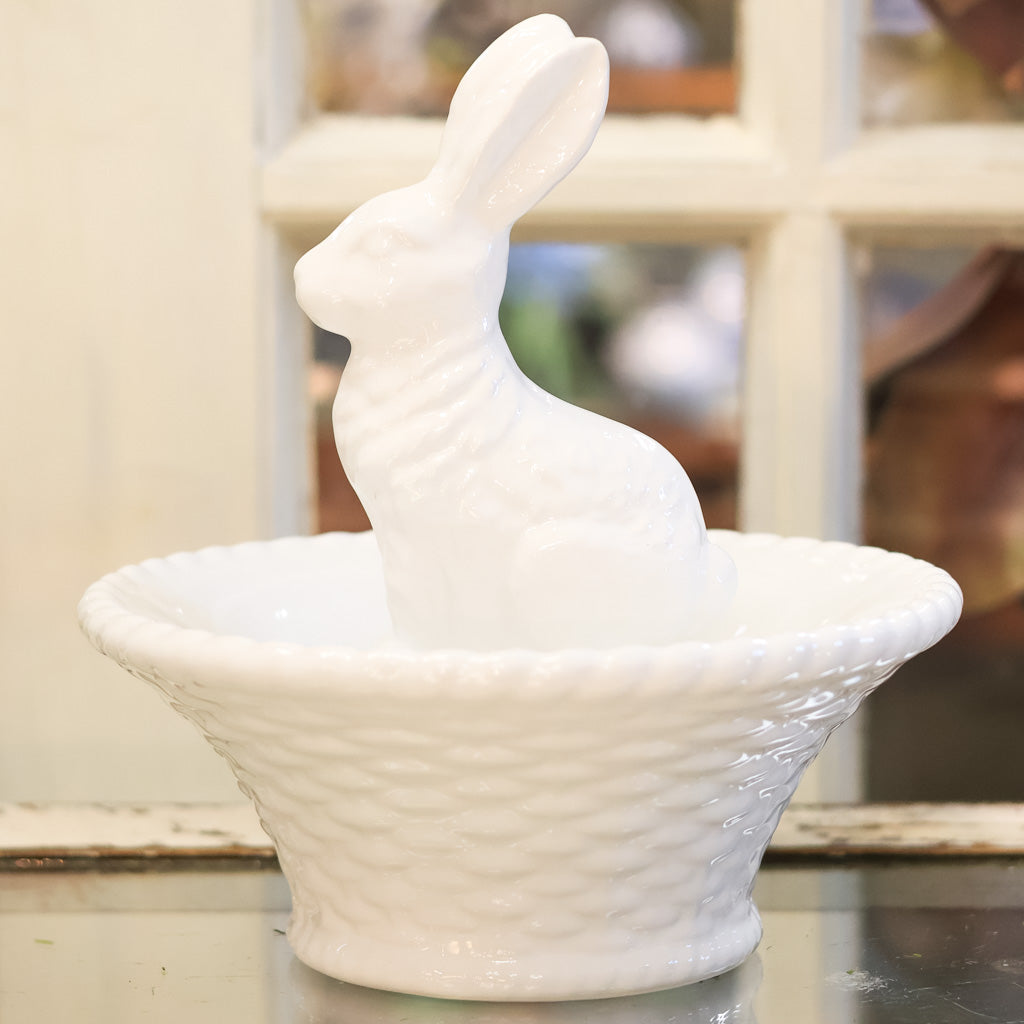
x=801 y=468
x=800 y=84
x=953 y=179
x=669 y=175
x=799 y=473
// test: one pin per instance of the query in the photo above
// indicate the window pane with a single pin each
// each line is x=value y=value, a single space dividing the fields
x=945 y=482
x=376 y=58
x=649 y=335
x=931 y=61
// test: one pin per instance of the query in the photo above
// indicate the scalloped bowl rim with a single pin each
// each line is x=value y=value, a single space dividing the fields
x=113 y=624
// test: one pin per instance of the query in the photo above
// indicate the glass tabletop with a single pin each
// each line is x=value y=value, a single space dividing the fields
x=916 y=941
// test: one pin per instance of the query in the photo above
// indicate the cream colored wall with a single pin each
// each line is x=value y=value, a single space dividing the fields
x=131 y=363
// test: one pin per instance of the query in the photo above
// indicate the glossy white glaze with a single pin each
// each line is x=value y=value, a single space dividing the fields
x=515 y=824
x=506 y=517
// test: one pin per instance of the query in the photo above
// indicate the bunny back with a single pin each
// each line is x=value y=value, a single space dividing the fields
x=508 y=518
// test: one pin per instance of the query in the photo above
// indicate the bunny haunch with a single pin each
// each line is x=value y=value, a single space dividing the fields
x=505 y=517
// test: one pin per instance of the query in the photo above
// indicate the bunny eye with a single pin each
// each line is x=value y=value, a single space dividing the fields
x=386 y=240
x=377 y=244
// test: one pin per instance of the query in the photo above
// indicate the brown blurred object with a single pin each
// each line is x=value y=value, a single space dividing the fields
x=338 y=508
x=991 y=30
x=945 y=478
x=698 y=91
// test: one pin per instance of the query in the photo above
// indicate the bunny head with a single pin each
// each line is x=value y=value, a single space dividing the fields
x=431 y=258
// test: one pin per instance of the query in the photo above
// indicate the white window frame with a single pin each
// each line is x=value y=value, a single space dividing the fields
x=795 y=180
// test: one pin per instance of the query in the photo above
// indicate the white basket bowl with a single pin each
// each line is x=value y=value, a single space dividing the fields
x=516 y=824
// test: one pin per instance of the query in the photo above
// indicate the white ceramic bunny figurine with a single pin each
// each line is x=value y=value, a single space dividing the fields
x=505 y=517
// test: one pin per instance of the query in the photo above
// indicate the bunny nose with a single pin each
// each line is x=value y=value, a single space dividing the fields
x=309 y=288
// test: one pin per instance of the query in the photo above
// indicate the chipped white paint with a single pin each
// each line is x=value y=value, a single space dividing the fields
x=940 y=829
x=42 y=829
x=902 y=828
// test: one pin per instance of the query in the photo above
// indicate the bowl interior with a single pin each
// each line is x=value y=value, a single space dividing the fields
x=329 y=590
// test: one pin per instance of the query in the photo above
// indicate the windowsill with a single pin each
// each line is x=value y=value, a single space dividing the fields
x=46 y=835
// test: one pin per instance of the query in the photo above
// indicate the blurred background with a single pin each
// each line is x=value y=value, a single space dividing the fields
x=152 y=408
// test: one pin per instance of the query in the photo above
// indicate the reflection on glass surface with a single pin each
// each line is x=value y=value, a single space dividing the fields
x=407 y=58
x=911 y=943
x=650 y=335
x=945 y=482
x=727 y=999
x=976 y=971
x=932 y=61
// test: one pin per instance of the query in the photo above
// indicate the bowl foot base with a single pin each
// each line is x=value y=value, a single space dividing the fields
x=451 y=971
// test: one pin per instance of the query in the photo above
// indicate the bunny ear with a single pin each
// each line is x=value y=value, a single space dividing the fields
x=522 y=118
x=522 y=46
